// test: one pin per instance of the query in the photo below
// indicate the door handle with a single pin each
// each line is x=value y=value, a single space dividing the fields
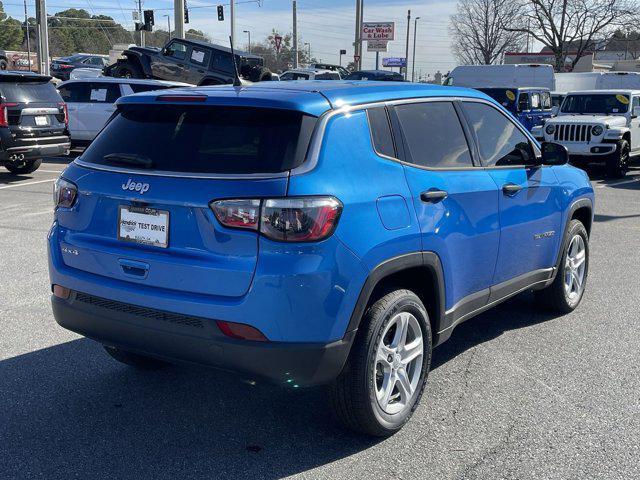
x=433 y=196
x=510 y=189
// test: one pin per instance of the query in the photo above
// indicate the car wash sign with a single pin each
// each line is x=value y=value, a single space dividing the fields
x=381 y=31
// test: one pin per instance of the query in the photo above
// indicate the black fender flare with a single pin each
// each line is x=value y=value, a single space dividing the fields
x=428 y=260
x=579 y=203
x=142 y=59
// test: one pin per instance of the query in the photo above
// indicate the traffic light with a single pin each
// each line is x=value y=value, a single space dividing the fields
x=148 y=20
x=220 y=13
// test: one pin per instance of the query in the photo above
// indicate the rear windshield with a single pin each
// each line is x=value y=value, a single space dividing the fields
x=203 y=139
x=29 y=92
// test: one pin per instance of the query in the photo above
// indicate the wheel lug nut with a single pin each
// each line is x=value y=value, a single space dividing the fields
x=390 y=358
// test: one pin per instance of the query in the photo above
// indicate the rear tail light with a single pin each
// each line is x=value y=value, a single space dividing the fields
x=4 y=116
x=63 y=106
x=64 y=193
x=296 y=219
x=241 y=331
x=63 y=66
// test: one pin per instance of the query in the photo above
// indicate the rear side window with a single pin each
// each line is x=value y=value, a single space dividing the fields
x=90 y=92
x=500 y=141
x=221 y=61
x=29 y=92
x=381 y=131
x=204 y=139
x=434 y=135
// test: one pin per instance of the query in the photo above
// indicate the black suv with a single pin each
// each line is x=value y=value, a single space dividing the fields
x=33 y=121
x=189 y=61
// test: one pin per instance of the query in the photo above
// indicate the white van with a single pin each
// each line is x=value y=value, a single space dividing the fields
x=571 y=82
x=521 y=75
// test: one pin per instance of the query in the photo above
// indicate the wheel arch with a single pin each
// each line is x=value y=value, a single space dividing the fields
x=420 y=272
x=581 y=209
x=140 y=60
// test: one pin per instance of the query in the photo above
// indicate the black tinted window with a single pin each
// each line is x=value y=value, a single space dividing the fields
x=500 y=141
x=141 y=87
x=29 y=92
x=434 y=135
x=381 y=131
x=90 y=92
x=177 y=50
x=199 y=139
x=221 y=61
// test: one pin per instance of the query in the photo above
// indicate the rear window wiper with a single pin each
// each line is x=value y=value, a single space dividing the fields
x=129 y=159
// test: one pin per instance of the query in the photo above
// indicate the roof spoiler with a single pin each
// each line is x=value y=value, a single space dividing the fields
x=13 y=76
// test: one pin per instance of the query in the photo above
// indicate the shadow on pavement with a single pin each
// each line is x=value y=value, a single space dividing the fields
x=70 y=411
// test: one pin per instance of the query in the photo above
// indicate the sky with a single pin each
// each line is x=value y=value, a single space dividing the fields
x=327 y=25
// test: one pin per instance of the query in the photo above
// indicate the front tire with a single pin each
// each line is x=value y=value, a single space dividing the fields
x=386 y=372
x=618 y=161
x=133 y=359
x=29 y=166
x=566 y=291
x=4 y=65
x=127 y=69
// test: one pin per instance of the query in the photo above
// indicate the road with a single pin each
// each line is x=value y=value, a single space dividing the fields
x=513 y=394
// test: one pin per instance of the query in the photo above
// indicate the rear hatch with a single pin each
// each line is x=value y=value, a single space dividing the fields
x=146 y=182
x=34 y=108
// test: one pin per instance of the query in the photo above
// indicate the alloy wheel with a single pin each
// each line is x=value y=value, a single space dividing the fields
x=574 y=269
x=398 y=363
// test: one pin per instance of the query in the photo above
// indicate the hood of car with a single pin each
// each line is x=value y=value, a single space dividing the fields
x=611 y=120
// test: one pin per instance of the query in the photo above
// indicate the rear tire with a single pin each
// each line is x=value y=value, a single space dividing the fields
x=29 y=166
x=133 y=359
x=566 y=291
x=618 y=161
x=380 y=385
x=127 y=69
x=4 y=65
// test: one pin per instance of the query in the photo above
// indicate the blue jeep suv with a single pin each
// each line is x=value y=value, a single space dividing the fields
x=312 y=233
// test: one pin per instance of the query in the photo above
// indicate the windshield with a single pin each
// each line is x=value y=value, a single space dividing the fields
x=205 y=139
x=504 y=96
x=596 y=103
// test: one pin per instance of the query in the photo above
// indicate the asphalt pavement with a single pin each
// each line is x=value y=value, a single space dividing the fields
x=513 y=394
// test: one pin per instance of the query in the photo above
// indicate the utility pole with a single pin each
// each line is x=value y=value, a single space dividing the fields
x=178 y=18
x=295 y=34
x=43 y=37
x=357 y=44
x=168 y=25
x=413 y=61
x=406 y=52
x=232 y=15
x=26 y=24
x=141 y=18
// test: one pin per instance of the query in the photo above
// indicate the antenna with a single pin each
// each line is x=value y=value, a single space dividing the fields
x=236 y=76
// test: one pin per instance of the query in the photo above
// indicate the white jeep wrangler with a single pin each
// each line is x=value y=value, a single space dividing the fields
x=597 y=126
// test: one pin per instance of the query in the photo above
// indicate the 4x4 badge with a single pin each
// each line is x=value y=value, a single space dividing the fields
x=135 y=186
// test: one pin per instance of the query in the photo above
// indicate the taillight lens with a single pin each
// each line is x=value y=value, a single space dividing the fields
x=63 y=106
x=4 y=116
x=299 y=219
x=237 y=213
x=295 y=219
x=64 y=193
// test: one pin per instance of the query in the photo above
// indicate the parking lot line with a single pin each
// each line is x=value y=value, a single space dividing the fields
x=622 y=182
x=49 y=171
x=27 y=183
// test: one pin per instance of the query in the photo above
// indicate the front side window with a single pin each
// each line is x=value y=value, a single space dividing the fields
x=177 y=50
x=434 y=135
x=500 y=141
x=381 y=131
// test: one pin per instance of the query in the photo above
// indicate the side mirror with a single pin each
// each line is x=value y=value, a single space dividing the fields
x=554 y=154
x=636 y=112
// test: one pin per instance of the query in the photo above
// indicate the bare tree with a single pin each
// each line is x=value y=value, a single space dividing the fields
x=574 y=26
x=479 y=30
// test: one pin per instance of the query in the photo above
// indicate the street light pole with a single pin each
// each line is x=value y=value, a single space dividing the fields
x=406 y=52
x=232 y=14
x=308 y=45
x=413 y=61
x=248 y=32
x=168 y=25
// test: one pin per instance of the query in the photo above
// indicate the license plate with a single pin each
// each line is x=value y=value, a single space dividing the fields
x=41 y=121
x=146 y=226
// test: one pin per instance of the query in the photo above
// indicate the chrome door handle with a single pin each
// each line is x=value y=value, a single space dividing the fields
x=433 y=196
x=510 y=189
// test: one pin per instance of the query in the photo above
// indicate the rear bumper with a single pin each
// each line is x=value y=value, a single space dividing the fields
x=34 y=148
x=195 y=340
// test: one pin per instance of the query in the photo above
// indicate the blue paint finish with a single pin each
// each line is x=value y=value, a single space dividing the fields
x=463 y=229
x=307 y=292
x=534 y=210
x=393 y=212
